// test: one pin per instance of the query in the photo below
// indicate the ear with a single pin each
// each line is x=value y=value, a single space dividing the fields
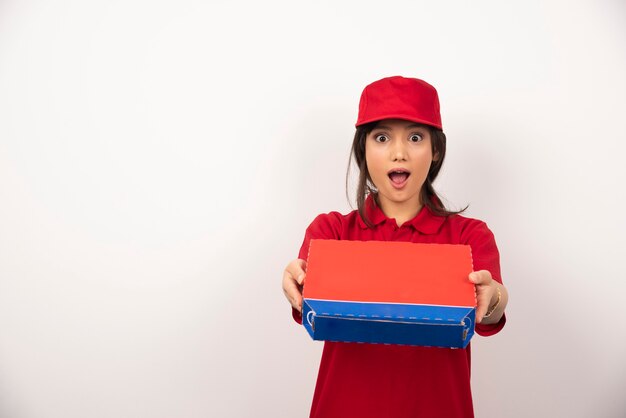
x=436 y=157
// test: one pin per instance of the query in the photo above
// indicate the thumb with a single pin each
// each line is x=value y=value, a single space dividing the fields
x=300 y=271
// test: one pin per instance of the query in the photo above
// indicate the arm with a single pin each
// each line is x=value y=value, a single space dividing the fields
x=490 y=296
x=487 y=278
x=324 y=226
x=293 y=280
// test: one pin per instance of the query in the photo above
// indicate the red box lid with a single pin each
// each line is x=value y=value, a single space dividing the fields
x=390 y=272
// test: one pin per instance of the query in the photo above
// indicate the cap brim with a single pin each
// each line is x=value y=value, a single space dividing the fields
x=398 y=116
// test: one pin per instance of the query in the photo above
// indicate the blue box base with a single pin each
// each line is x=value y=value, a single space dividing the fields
x=389 y=323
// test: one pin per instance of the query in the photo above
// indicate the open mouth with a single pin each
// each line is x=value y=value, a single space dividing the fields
x=398 y=177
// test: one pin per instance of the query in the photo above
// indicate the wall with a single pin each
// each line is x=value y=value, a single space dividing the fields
x=160 y=161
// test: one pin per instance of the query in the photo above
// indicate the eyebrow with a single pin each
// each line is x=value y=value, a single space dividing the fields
x=388 y=128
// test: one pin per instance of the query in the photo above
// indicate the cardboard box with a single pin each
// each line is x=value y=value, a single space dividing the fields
x=389 y=292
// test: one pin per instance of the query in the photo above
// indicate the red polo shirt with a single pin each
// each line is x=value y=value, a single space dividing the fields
x=393 y=381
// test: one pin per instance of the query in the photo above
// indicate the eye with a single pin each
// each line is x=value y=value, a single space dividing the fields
x=415 y=138
x=380 y=138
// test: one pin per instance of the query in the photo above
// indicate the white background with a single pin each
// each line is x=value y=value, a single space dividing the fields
x=160 y=161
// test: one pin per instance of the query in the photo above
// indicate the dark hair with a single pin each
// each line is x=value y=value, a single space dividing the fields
x=428 y=195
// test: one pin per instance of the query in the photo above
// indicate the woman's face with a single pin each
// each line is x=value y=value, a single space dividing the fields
x=398 y=154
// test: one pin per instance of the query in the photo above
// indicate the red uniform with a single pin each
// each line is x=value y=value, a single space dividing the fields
x=392 y=381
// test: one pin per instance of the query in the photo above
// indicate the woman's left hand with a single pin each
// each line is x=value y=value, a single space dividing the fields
x=486 y=292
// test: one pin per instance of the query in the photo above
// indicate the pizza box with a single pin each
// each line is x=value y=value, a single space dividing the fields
x=389 y=292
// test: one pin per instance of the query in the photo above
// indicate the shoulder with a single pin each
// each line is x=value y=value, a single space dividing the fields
x=478 y=236
x=330 y=218
x=469 y=229
x=325 y=226
x=331 y=224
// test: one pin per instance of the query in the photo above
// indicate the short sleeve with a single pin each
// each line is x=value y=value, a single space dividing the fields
x=486 y=256
x=324 y=226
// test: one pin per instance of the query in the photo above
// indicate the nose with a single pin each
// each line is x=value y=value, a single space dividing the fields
x=398 y=151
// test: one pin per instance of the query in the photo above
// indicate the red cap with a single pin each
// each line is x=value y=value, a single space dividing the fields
x=400 y=98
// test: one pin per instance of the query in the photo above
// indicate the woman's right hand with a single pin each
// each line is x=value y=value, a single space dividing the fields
x=293 y=280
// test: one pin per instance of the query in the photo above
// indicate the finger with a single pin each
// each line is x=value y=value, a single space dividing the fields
x=302 y=264
x=297 y=269
x=292 y=291
x=482 y=307
x=481 y=277
x=483 y=300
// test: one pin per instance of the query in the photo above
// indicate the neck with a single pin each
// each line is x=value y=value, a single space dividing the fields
x=400 y=211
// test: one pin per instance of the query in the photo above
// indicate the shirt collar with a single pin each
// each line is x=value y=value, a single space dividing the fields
x=425 y=221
